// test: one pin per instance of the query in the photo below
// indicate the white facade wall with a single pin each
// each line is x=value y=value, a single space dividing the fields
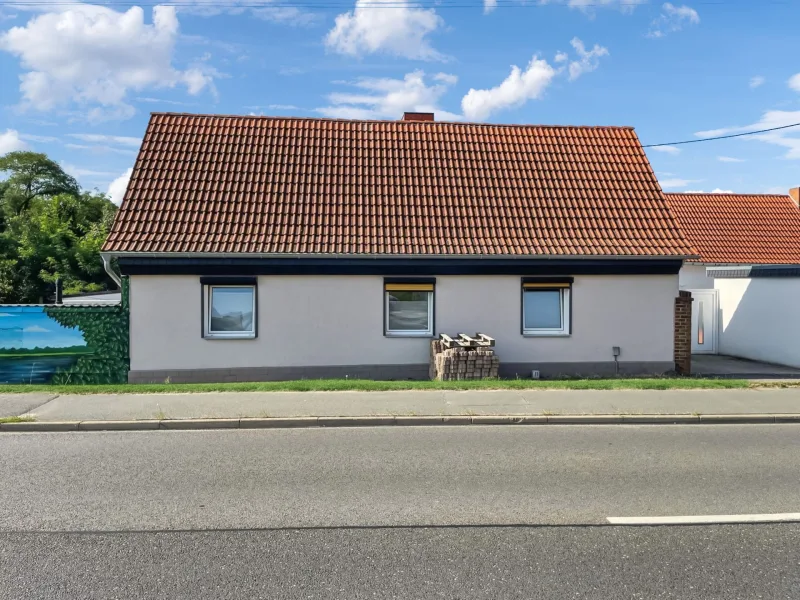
x=338 y=320
x=693 y=277
x=760 y=319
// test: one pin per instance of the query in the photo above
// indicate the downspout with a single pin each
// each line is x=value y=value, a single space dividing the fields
x=107 y=266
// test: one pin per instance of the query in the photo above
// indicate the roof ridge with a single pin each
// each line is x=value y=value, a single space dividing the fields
x=430 y=123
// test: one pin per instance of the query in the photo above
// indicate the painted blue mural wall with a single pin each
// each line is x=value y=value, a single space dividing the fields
x=65 y=344
x=34 y=347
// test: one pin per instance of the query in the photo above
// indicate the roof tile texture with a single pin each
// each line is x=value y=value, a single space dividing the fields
x=211 y=184
x=739 y=228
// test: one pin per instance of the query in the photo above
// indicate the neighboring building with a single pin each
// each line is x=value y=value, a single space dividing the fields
x=274 y=248
x=93 y=298
x=746 y=283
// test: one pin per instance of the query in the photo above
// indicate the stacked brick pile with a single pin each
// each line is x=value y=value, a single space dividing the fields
x=449 y=364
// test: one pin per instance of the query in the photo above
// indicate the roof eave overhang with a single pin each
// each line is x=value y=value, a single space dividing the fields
x=309 y=255
x=220 y=264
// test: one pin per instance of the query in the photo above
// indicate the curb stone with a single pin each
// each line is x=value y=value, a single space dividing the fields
x=787 y=418
x=662 y=419
x=387 y=420
x=199 y=424
x=584 y=419
x=119 y=425
x=736 y=418
x=41 y=426
x=355 y=421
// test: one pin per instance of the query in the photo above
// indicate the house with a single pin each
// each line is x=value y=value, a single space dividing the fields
x=746 y=281
x=279 y=248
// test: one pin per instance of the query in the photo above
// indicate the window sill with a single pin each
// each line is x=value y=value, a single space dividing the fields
x=426 y=334
x=554 y=334
x=250 y=336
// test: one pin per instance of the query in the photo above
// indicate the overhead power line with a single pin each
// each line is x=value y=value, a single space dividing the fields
x=721 y=137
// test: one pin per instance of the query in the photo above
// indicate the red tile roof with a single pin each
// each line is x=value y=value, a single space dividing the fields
x=739 y=228
x=211 y=184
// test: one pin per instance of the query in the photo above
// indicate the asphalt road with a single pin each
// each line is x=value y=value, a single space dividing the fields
x=554 y=563
x=459 y=513
x=414 y=476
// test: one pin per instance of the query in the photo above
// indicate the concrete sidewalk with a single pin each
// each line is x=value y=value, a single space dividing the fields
x=263 y=405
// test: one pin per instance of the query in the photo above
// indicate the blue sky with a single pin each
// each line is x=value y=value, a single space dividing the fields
x=79 y=80
x=29 y=327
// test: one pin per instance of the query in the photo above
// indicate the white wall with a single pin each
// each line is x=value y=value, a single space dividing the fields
x=760 y=319
x=338 y=320
x=693 y=277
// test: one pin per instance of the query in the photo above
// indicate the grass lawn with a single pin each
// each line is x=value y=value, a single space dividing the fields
x=328 y=385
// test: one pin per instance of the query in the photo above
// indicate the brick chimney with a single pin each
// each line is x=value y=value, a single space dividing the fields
x=417 y=116
x=795 y=194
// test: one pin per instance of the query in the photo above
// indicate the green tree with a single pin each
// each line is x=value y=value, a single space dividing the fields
x=49 y=230
x=32 y=175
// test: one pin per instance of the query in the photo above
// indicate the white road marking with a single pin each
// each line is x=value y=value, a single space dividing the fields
x=704 y=519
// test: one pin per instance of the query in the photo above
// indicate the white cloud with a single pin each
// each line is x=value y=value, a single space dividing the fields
x=10 y=141
x=101 y=149
x=42 y=139
x=729 y=159
x=675 y=183
x=79 y=172
x=588 y=6
x=757 y=81
x=588 y=60
x=384 y=98
x=786 y=138
x=489 y=6
x=672 y=18
x=35 y=329
x=794 y=82
x=399 y=31
x=446 y=78
x=163 y=101
x=666 y=149
x=519 y=87
x=283 y=107
x=775 y=189
x=93 y=56
x=116 y=191
x=288 y=15
x=714 y=191
x=95 y=138
x=561 y=57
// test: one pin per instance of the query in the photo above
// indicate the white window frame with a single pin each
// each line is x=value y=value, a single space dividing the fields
x=562 y=331
x=408 y=332
x=227 y=335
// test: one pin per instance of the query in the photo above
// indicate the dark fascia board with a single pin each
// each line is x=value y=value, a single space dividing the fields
x=131 y=265
x=411 y=280
x=228 y=281
x=548 y=280
x=748 y=271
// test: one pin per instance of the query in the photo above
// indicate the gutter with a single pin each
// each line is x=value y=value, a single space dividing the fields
x=107 y=256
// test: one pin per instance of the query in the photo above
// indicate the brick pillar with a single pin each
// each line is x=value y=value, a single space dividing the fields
x=683 y=333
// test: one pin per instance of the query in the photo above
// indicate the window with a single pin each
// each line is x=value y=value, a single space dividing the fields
x=408 y=308
x=546 y=308
x=229 y=309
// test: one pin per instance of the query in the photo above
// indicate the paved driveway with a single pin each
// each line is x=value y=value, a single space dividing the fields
x=729 y=366
x=12 y=405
